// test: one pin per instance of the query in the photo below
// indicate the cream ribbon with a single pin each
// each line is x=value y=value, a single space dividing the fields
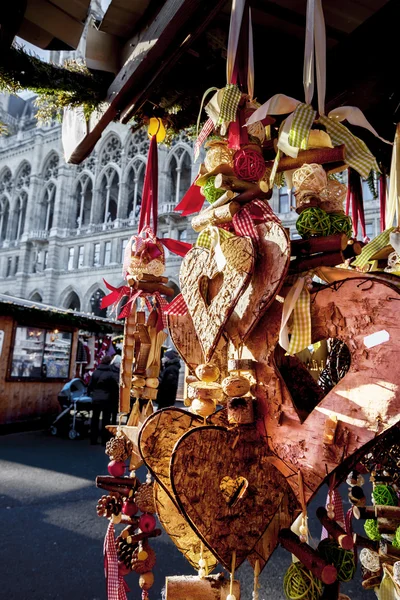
x=238 y=7
x=393 y=203
x=288 y=308
x=215 y=247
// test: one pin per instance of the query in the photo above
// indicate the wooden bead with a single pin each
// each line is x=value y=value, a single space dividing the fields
x=152 y=382
x=187 y=402
x=146 y=580
x=137 y=392
x=208 y=394
x=241 y=364
x=204 y=408
x=207 y=372
x=149 y=393
x=138 y=381
x=235 y=386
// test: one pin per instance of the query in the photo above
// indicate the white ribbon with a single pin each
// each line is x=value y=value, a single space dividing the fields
x=215 y=247
x=393 y=203
x=238 y=7
x=288 y=308
x=354 y=116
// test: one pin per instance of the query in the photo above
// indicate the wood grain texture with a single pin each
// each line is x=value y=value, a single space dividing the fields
x=159 y=434
x=186 y=587
x=209 y=319
x=180 y=531
x=366 y=402
x=199 y=462
x=272 y=263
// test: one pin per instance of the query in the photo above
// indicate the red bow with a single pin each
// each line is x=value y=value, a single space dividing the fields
x=116 y=295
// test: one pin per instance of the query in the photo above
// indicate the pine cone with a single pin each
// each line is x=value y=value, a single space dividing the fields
x=119 y=448
x=143 y=566
x=108 y=506
x=144 y=498
x=125 y=550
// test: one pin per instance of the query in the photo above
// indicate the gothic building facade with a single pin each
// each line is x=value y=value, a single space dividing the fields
x=64 y=228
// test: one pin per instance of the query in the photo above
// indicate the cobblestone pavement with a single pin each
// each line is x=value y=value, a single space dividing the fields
x=52 y=540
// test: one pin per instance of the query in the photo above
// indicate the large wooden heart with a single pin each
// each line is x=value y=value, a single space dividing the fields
x=202 y=463
x=272 y=263
x=160 y=433
x=209 y=318
x=180 y=531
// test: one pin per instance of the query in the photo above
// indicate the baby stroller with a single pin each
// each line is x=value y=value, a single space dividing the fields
x=76 y=403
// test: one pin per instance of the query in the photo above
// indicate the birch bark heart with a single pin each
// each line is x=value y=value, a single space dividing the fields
x=209 y=319
x=200 y=460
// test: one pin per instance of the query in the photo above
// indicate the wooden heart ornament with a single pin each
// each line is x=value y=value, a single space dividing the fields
x=209 y=315
x=227 y=487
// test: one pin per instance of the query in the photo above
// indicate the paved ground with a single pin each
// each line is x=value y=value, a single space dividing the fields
x=51 y=542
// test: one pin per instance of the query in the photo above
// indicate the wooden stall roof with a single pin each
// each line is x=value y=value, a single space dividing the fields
x=21 y=308
x=166 y=53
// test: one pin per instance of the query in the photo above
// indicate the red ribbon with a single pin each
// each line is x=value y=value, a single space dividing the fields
x=355 y=197
x=149 y=203
x=253 y=213
x=116 y=295
x=116 y=585
x=191 y=202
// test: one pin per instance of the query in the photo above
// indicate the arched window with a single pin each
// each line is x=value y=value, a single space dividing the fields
x=50 y=169
x=4 y=215
x=23 y=177
x=72 y=301
x=83 y=199
x=18 y=219
x=5 y=181
x=138 y=144
x=47 y=207
x=111 y=151
x=95 y=304
x=179 y=174
x=36 y=297
x=109 y=187
x=135 y=183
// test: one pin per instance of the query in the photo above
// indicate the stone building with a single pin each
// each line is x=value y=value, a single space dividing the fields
x=63 y=228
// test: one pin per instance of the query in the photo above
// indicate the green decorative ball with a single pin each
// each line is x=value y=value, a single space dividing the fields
x=384 y=495
x=313 y=222
x=211 y=193
x=397 y=539
x=341 y=223
x=342 y=559
x=300 y=584
x=371 y=529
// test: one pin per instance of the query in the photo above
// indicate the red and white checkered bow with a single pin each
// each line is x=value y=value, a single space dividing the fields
x=116 y=585
x=252 y=213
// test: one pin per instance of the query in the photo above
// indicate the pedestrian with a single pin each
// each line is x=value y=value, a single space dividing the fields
x=104 y=390
x=169 y=379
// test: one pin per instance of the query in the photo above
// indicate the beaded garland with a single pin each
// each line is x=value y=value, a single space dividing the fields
x=312 y=222
x=249 y=164
x=342 y=559
x=211 y=193
x=300 y=584
x=384 y=495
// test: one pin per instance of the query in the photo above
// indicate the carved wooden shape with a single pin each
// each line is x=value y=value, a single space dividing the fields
x=199 y=264
x=200 y=461
x=189 y=587
x=159 y=434
x=270 y=269
x=180 y=531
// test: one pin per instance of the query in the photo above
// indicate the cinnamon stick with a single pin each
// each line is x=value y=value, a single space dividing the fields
x=363 y=542
x=144 y=536
x=230 y=182
x=307 y=556
x=325 y=259
x=331 y=592
x=128 y=482
x=330 y=243
x=252 y=194
x=373 y=512
x=158 y=279
x=352 y=250
x=150 y=286
x=221 y=214
x=344 y=540
x=316 y=155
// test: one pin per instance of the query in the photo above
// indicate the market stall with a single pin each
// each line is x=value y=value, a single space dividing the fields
x=39 y=353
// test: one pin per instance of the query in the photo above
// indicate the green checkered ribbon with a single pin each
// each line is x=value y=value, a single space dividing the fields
x=229 y=104
x=389 y=589
x=378 y=243
x=357 y=154
x=298 y=304
x=303 y=118
x=204 y=239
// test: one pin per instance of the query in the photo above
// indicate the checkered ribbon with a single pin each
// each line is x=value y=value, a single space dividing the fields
x=389 y=589
x=254 y=212
x=297 y=302
x=229 y=104
x=378 y=243
x=177 y=306
x=357 y=154
x=338 y=510
x=204 y=239
x=116 y=586
x=201 y=138
x=303 y=118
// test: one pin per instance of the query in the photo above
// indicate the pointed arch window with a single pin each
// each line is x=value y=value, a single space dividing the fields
x=179 y=174
x=95 y=304
x=18 y=222
x=50 y=170
x=23 y=178
x=135 y=182
x=83 y=201
x=111 y=151
x=47 y=207
x=4 y=216
x=5 y=181
x=109 y=187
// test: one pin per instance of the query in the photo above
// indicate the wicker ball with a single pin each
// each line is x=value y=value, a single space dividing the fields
x=249 y=164
x=300 y=584
x=217 y=154
x=310 y=177
x=211 y=193
x=333 y=196
x=342 y=559
x=341 y=223
x=371 y=529
x=384 y=495
x=313 y=222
